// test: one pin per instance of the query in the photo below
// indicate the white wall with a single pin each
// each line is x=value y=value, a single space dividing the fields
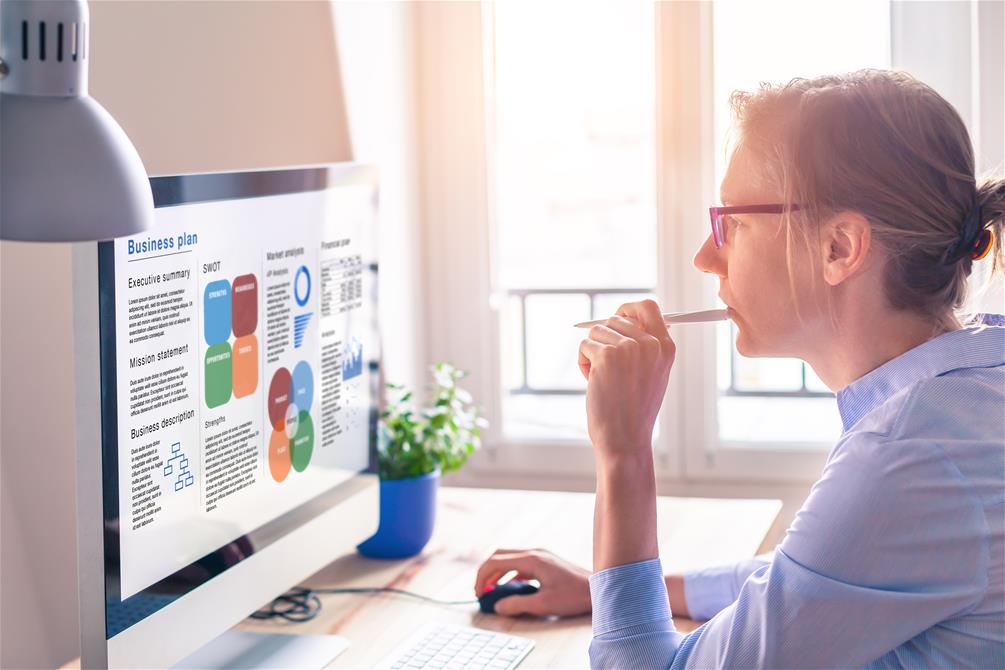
x=957 y=48
x=38 y=567
x=198 y=87
x=377 y=46
x=210 y=86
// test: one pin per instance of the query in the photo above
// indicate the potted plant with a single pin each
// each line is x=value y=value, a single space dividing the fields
x=413 y=450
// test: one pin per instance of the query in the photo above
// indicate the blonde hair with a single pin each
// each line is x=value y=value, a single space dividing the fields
x=889 y=147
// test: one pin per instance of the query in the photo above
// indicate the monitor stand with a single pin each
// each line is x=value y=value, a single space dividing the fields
x=244 y=649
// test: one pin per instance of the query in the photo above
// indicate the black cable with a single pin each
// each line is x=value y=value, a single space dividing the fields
x=302 y=603
x=297 y=605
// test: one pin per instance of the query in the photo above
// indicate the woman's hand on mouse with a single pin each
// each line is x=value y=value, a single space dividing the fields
x=565 y=587
x=626 y=362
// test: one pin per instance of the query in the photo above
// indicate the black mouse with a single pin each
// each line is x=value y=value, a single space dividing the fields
x=516 y=587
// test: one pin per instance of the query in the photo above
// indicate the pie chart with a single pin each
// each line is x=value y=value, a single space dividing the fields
x=288 y=404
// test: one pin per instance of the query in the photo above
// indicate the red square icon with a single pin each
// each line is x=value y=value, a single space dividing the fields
x=244 y=305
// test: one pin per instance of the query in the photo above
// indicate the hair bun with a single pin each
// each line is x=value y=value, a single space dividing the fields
x=971 y=240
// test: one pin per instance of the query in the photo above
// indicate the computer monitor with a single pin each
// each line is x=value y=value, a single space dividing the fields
x=226 y=404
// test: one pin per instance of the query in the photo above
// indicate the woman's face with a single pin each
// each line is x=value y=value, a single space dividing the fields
x=753 y=278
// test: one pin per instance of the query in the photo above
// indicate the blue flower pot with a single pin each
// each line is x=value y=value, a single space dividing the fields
x=407 y=515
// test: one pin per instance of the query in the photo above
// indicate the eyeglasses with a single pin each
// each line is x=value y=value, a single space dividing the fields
x=717 y=213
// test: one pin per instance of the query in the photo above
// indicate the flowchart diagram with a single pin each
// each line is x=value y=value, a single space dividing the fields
x=179 y=460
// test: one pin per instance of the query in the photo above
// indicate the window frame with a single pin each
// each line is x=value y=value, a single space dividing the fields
x=687 y=33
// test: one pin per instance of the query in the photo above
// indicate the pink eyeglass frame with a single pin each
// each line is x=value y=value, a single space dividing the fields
x=716 y=214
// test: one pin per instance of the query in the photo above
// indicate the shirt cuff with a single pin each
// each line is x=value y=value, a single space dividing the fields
x=629 y=595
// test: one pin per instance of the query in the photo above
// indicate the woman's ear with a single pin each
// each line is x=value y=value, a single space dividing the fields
x=846 y=239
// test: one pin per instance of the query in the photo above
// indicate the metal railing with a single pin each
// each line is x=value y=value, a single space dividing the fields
x=801 y=392
x=521 y=294
x=526 y=389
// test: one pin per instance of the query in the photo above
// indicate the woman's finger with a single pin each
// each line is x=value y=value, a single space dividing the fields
x=494 y=568
x=606 y=334
x=535 y=604
x=628 y=328
x=647 y=314
x=589 y=351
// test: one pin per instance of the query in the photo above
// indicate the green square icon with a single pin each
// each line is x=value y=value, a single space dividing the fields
x=219 y=374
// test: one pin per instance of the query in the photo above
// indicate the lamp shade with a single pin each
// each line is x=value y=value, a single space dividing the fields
x=68 y=172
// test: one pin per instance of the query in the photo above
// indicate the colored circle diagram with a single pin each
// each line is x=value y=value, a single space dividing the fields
x=289 y=402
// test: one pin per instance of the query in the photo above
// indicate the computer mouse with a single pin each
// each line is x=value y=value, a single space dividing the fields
x=516 y=587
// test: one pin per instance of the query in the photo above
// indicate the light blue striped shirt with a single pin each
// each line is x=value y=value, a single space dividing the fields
x=896 y=559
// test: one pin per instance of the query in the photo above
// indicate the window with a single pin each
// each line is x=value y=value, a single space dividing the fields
x=574 y=149
x=572 y=157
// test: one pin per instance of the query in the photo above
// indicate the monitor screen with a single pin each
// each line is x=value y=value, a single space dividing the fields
x=238 y=364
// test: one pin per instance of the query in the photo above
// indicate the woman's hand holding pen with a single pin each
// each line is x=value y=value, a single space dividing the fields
x=627 y=363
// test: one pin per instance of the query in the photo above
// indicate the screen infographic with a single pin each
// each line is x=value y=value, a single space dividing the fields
x=241 y=329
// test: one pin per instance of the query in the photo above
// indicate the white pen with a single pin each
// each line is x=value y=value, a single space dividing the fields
x=677 y=317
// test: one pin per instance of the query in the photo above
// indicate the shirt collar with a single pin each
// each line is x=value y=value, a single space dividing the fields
x=981 y=345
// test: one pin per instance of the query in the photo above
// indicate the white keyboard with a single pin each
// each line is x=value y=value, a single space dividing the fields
x=449 y=647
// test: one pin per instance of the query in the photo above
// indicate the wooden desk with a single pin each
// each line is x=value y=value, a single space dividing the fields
x=471 y=523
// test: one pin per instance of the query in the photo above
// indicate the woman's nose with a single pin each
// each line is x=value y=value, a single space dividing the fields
x=709 y=259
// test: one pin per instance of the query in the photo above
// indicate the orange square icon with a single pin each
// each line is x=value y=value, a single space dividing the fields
x=245 y=362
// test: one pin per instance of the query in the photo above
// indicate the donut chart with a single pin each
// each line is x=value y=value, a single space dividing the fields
x=288 y=405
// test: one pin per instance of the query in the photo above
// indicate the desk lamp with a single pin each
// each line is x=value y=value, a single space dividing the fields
x=68 y=172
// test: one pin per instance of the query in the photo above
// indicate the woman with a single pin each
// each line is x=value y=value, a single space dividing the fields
x=852 y=221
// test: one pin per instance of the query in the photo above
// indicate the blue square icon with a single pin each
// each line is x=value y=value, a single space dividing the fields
x=216 y=312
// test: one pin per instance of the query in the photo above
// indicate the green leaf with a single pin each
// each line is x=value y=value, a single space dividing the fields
x=442 y=436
